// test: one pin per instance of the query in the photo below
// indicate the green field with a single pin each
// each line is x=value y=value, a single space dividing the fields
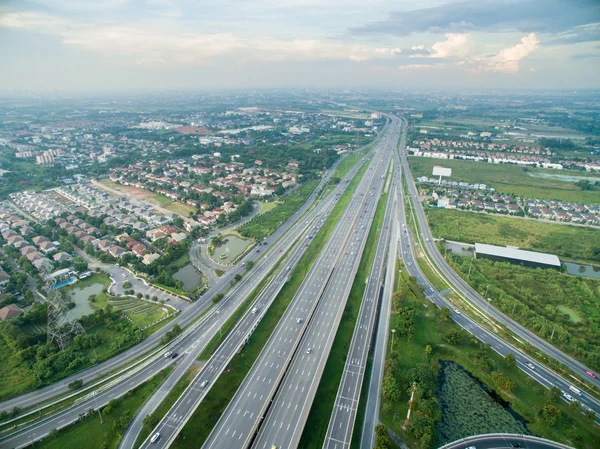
x=315 y=429
x=89 y=433
x=509 y=179
x=534 y=297
x=263 y=225
x=412 y=362
x=578 y=244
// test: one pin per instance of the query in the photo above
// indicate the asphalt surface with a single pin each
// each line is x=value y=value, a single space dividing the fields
x=187 y=403
x=498 y=441
x=190 y=343
x=330 y=276
x=475 y=298
x=341 y=424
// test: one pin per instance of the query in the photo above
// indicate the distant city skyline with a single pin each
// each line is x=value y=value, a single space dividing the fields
x=121 y=45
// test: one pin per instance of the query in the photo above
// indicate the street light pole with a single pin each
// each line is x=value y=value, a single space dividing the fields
x=488 y=305
x=98 y=408
x=393 y=332
x=219 y=323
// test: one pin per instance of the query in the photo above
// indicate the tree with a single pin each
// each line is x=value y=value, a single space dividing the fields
x=428 y=350
x=249 y=264
x=382 y=439
x=445 y=314
x=510 y=359
x=237 y=277
x=389 y=388
x=503 y=382
x=452 y=336
x=553 y=394
x=548 y=414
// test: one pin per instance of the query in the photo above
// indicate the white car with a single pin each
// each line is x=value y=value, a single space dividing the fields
x=309 y=350
x=155 y=437
x=456 y=311
x=530 y=366
x=168 y=354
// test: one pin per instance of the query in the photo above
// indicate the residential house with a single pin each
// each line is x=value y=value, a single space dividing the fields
x=10 y=311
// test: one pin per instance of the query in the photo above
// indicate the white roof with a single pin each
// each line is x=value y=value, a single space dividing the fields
x=517 y=254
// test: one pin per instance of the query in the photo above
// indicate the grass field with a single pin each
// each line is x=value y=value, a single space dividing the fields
x=89 y=433
x=315 y=429
x=578 y=244
x=205 y=417
x=572 y=427
x=267 y=206
x=509 y=179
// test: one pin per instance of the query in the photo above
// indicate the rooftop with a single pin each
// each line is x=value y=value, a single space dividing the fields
x=517 y=254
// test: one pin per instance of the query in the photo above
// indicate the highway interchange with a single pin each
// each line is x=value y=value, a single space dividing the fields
x=271 y=406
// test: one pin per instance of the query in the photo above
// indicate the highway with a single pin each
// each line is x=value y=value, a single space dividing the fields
x=195 y=338
x=473 y=297
x=504 y=440
x=341 y=424
x=330 y=277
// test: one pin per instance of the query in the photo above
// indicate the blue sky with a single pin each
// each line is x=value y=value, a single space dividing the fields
x=86 y=45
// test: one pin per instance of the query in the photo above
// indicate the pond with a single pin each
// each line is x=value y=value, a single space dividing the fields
x=231 y=247
x=582 y=270
x=564 y=178
x=191 y=278
x=460 y=249
x=80 y=297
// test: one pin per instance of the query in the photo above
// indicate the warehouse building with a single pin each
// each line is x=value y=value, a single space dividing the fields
x=516 y=256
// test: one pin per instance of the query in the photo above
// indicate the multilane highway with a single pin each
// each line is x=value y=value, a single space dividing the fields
x=238 y=425
x=191 y=342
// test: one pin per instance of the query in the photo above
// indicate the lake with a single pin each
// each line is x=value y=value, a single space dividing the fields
x=191 y=278
x=232 y=247
x=587 y=270
x=80 y=297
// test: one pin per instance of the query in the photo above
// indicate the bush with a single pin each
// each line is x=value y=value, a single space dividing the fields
x=76 y=384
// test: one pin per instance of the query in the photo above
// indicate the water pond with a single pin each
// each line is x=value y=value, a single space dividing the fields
x=80 y=296
x=231 y=247
x=191 y=278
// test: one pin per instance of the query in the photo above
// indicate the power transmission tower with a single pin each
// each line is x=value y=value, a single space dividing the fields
x=357 y=139
x=61 y=325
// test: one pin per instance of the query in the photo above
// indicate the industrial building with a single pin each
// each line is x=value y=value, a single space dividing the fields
x=517 y=256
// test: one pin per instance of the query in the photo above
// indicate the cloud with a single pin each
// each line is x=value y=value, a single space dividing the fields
x=489 y=15
x=581 y=56
x=585 y=33
x=455 y=45
x=420 y=66
x=508 y=59
x=152 y=45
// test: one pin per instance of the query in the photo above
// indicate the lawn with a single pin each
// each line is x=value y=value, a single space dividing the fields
x=206 y=416
x=534 y=297
x=509 y=179
x=578 y=244
x=572 y=428
x=315 y=429
x=174 y=206
x=148 y=315
x=263 y=225
x=89 y=433
x=267 y=206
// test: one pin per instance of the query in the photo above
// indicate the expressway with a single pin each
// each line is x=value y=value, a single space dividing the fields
x=192 y=341
x=473 y=297
x=341 y=424
x=316 y=304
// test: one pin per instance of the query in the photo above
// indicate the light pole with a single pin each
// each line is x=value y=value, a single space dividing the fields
x=393 y=332
x=486 y=289
x=98 y=408
x=219 y=323
x=488 y=305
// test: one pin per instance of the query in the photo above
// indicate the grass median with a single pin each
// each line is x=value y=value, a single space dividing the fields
x=200 y=425
x=315 y=429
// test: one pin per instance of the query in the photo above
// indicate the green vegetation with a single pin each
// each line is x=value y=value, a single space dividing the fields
x=204 y=418
x=89 y=433
x=467 y=409
x=267 y=206
x=509 y=179
x=533 y=298
x=418 y=325
x=315 y=429
x=348 y=162
x=263 y=225
x=568 y=242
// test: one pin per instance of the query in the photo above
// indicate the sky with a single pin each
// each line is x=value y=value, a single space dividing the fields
x=130 y=45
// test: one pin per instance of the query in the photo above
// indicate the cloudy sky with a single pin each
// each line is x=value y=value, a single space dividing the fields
x=87 y=45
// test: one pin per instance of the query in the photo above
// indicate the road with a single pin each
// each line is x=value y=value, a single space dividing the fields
x=504 y=440
x=196 y=336
x=341 y=424
x=235 y=429
x=472 y=296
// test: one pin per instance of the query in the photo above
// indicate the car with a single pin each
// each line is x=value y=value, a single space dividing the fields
x=471 y=447
x=514 y=444
x=174 y=355
x=124 y=275
x=168 y=354
x=117 y=265
x=299 y=320
x=592 y=375
x=456 y=311
x=309 y=350
x=204 y=383
x=155 y=437
x=254 y=310
x=280 y=249
x=530 y=366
